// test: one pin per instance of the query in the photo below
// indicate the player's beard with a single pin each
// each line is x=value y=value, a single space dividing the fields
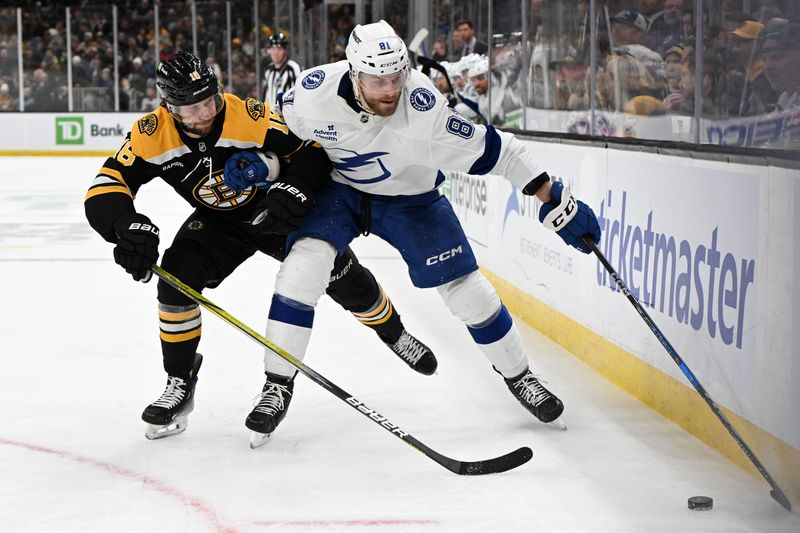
x=382 y=105
x=199 y=129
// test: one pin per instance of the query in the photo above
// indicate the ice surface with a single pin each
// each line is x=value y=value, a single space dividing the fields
x=81 y=359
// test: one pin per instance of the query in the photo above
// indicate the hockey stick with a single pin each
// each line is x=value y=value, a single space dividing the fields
x=416 y=42
x=465 y=468
x=776 y=491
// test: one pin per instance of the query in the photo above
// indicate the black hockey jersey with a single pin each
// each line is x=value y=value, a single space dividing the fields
x=156 y=147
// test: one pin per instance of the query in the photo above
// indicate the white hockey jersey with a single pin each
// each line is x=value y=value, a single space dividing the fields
x=407 y=152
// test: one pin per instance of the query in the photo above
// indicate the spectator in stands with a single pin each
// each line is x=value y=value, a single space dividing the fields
x=684 y=101
x=439 y=50
x=627 y=32
x=780 y=48
x=570 y=84
x=744 y=87
x=470 y=44
x=150 y=101
x=42 y=97
x=672 y=62
x=6 y=100
x=81 y=77
x=627 y=78
x=667 y=30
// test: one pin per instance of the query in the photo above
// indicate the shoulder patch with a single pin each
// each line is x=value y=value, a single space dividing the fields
x=255 y=108
x=422 y=99
x=313 y=79
x=148 y=124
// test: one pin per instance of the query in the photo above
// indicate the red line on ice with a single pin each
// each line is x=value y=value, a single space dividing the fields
x=193 y=503
x=326 y=523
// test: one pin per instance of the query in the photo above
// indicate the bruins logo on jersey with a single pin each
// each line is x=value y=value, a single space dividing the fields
x=148 y=124
x=255 y=108
x=213 y=192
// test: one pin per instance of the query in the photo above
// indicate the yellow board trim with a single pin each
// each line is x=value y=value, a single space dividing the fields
x=661 y=392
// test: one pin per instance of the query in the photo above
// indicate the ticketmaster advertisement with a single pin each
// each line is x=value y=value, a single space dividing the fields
x=709 y=248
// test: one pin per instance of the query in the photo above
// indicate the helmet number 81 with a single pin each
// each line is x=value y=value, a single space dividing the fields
x=383 y=45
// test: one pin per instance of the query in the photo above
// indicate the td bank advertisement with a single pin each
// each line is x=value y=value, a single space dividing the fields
x=64 y=133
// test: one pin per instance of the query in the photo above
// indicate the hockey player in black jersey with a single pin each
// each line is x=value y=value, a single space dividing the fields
x=186 y=143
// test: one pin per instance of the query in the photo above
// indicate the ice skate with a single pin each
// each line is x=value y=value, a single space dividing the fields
x=414 y=353
x=169 y=414
x=542 y=403
x=270 y=408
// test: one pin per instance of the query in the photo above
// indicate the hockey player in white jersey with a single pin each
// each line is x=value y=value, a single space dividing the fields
x=389 y=134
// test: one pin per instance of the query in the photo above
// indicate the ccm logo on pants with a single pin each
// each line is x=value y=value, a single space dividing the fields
x=444 y=256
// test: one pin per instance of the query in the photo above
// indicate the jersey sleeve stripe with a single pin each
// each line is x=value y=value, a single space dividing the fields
x=491 y=153
x=95 y=191
x=105 y=171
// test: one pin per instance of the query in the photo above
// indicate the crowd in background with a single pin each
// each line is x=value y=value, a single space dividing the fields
x=645 y=63
x=646 y=58
x=44 y=51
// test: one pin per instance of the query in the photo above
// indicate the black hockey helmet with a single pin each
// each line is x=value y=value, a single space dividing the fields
x=278 y=39
x=185 y=79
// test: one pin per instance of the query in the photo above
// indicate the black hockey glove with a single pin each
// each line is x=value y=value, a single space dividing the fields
x=137 y=245
x=284 y=208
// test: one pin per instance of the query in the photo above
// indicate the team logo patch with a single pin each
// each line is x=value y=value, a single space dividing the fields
x=195 y=225
x=422 y=99
x=148 y=124
x=255 y=108
x=313 y=79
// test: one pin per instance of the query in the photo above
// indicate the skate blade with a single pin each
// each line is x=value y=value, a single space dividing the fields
x=558 y=424
x=258 y=439
x=155 y=432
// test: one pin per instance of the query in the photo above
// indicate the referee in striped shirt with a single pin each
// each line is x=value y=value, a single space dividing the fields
x=282 y=74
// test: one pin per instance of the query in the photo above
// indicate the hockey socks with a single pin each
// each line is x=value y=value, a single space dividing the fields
x=180 y=328
x=499 y=340
x=289 y=326
x=382 y=318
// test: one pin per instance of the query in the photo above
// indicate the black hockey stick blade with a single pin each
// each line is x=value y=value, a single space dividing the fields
x=503 y=463
x=465 y=468
x=777 y=494
x=780 y=497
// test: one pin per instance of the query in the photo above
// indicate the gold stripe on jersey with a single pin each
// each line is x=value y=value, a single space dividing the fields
x=95 y=191
x=108 y=181
x=155 y=139
x=116 y=174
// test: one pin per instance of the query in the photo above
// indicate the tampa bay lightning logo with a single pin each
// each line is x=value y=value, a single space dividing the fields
x=422 y=99
x=313 y=79
x=359 y=168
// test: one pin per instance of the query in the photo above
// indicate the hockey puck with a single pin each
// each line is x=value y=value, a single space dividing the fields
x=700 y=503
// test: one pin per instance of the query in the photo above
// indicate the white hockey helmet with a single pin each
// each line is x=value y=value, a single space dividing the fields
x=377 y=50
x=478 y=67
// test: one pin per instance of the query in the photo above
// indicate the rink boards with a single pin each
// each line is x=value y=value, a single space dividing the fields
x=709 y=247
